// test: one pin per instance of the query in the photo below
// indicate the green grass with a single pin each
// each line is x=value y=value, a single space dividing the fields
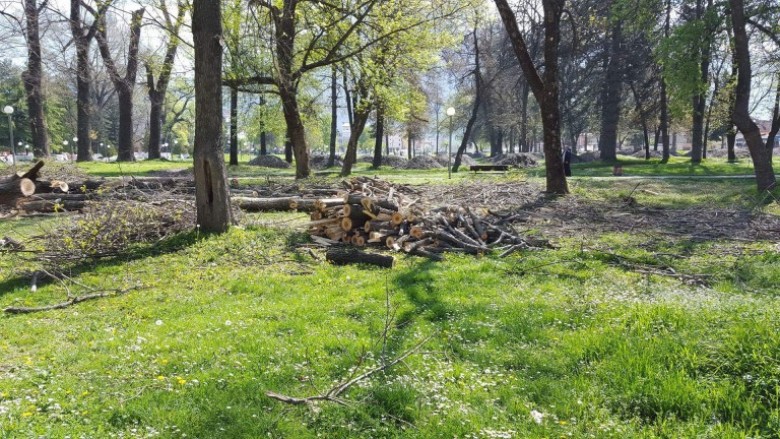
x=676 y=167
x=599 y=349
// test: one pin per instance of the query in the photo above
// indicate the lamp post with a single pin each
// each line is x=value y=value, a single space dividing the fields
x=65 y=147
x=450 y=113
x=9 y=110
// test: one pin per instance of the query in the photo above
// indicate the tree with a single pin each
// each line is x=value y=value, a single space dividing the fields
x=82 y=40
x=544 y=86
x=124 y=84
x=211 y=190
x=158 y=89
x=762 y=163
x=32 y=78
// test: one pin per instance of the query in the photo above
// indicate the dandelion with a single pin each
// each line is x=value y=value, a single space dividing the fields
x=26 y=414
x=228 y=323
x=158 y=322
x=160 y=378
x=181 y=381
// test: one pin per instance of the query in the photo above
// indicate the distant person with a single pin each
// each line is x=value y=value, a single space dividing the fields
x=567 y=162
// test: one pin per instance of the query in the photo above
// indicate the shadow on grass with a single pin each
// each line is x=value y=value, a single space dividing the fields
x=169 y=245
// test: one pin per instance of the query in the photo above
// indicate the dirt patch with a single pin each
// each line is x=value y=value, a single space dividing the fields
x=321 y=162
x=516 y=160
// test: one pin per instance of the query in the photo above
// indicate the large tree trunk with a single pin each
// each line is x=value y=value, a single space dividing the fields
x=211 y=190
x=611 y=96
x=334 y=123
x=765 y=176
x=32 y=78
x=155 y=123
x=263 y=143
x=380 y=132
x=233 y=127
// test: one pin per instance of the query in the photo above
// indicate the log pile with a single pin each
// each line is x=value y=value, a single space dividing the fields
x=376 y=213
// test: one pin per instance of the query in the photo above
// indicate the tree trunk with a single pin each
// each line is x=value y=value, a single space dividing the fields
x=334 y=123
x=765 y=176
x=263 y=143
x=155 y=123
x=464 y=141
x=700 y=99
x=380 y=132
x=233 y=127
x=611 y=96
x=664 y=95
x=32 y=81
x=83 y=102
x=524 y=146
x=124 y=85
x=125 y=142
x=350 y=157
x=775 y=128
x=211 y=190
x=409 y=147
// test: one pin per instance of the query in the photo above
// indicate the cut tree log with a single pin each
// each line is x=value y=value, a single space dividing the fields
x=343 y=255
x=19 y=185
x=251 y=204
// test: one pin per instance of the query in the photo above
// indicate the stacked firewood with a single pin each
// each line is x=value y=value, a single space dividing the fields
x=375 y=213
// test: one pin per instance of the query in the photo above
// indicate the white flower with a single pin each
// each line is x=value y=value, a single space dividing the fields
x=538 y=416
x=228 y=323
x=158 y=322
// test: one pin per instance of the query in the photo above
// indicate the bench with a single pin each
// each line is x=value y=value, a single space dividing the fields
x=477 y=168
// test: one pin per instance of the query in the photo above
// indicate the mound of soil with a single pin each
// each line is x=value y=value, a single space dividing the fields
x=521 y=160
x=465 y=160
x=321 y=161
x=395 y=161
x=423 y=162
x=653 y=154
x=269 y=161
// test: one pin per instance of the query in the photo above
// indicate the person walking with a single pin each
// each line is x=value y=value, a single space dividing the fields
x=567 y=162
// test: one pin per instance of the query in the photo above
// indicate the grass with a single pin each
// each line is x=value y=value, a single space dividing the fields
x=596 y=348
x=676 y=167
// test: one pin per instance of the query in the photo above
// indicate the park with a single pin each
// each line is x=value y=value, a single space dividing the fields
x=411 y=219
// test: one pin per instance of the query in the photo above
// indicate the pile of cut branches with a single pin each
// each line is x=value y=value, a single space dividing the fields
x=376 y=212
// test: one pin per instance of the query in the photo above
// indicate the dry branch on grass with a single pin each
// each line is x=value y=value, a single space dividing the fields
x=88 y=294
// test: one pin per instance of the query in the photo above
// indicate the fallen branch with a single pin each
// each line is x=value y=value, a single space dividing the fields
x=333 y=394
x=69 y=302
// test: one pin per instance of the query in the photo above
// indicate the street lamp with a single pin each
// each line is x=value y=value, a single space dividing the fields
x=450 y=113
x=65 y=146
x=9 y=110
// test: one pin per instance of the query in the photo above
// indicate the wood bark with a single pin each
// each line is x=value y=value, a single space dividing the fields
x=32 y=78
x=19 y=186
x=664 y=122
x=124 y=85
x=545 y=89
x=361 y=118
x=762 y=164
x=211 y=188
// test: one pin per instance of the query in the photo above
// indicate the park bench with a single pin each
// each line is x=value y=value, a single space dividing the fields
x=477 y=168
